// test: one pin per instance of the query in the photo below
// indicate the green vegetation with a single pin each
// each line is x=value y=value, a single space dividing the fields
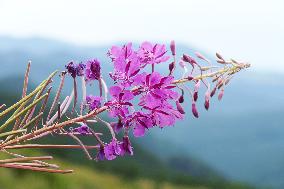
x=144 y=170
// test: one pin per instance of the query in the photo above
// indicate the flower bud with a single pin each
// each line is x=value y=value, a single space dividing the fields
x=220 y=57
x=171 y=67
x=173 y=47
x=181 y=99
x=189 y=59
x=220 y=96
x=200 y=56
x=194 y=110
x=207 y=98
x=126 y=147
x=180 y=108
x=213 y=92
x=195 y=96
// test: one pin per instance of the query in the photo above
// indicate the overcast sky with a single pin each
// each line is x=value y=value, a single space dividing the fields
x=251 y=30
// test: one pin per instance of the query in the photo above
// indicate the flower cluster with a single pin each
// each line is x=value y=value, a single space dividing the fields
x=139 y=99
x=142 y=98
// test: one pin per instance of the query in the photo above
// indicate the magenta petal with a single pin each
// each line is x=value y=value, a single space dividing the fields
x=139 y=131
x=115 y=91
x=127 y=96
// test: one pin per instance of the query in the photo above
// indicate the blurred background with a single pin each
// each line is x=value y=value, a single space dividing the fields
x=239 y=143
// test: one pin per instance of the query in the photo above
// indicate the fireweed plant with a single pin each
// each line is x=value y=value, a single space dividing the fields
x=139 y=99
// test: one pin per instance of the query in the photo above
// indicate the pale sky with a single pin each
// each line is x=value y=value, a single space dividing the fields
x=251 y=30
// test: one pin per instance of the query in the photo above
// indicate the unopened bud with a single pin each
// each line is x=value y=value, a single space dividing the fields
x=189 y=59
x=173 y=47
x=194 y=110
x=206 y=104
x=207 y=98
x=220 y=57
x=195 y=96
x=171 y=67
x=181 y=99
x=200 y=56
x=221 y=94
x=180 y=108
x=213 y=92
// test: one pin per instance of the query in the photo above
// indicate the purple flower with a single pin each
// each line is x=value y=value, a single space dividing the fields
x=126 y=147
x=71 y=69
x=126 y=63
x=75 y=69
x=119 y=104
x=83 y=129
x=93 y=102
x=80 y=68
x=117 y=126
x=165 y=115
x=101 y=153
x=112 y=149
x=152 y=54
x=93 y=70
x=155 y=89
x=140 y=122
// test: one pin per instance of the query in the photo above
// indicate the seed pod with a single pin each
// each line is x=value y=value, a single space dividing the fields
x=180 y=108
x=173 y=48
x=194 y=110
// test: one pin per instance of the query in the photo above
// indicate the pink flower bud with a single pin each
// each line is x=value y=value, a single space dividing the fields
x=173 y=47
x=189 y=59
x=220 y=57
x=207 y=98
x=196 y=88
x=206 y=104
x=194 y=110
x=220 y=96
x=213 y=92
x=181 y=99
x=200 y=56
x=180 y=108
x=195 y=96
x=171 y=67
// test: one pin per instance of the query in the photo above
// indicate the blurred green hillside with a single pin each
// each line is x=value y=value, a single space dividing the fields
x=86 y=177
x=144 y=170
